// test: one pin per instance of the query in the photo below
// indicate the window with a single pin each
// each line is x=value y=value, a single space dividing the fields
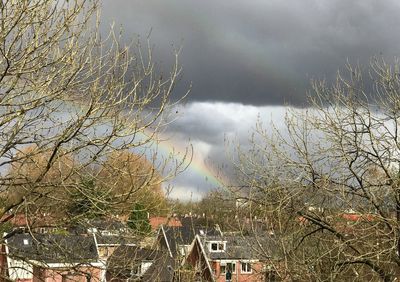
x=217 y=246
x=231 y=266
x=246 y=267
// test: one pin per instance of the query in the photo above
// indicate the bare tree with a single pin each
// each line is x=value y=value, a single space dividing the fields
x=327 y=184
x=69 y=99
x=133 y=179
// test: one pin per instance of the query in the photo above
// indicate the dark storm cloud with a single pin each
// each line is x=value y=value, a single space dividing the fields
x=260 y=52
x=245 y=58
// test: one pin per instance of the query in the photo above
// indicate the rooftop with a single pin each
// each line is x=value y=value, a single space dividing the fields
x=241 y=247
x=53 y=248
x=128 y=258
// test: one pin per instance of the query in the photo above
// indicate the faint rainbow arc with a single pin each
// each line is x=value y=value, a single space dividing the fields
x=197 y=164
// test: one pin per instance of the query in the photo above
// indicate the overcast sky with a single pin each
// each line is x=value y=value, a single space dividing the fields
x=250 y=57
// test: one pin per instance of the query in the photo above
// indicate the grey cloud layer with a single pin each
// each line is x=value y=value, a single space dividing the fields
x=207 y=126
x=261 y=52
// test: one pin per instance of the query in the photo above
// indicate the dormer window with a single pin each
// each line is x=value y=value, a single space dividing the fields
x=217 y=246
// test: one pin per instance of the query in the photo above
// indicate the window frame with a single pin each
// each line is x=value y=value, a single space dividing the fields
x=225 y=265
x=248 y=268
x=221 y=246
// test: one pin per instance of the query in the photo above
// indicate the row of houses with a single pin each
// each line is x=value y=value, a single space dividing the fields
x=183 y=249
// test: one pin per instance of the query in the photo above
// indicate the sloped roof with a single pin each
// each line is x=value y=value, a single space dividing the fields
x=106 y=224
x=112 y=240
x=126 y=258
x=53 y=248
x=185 y=234
x=242 y=247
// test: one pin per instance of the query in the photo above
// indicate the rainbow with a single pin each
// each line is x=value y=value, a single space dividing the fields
x=196 y=165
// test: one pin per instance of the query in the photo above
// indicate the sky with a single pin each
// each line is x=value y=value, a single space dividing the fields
x=250 y=59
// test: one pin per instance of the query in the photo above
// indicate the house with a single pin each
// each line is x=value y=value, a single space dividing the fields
x=132 y=263
x=51 y=257
x=214 y=258
x=177 y=240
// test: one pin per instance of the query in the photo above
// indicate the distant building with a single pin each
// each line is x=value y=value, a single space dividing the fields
x=37 y=223
x=157 y=221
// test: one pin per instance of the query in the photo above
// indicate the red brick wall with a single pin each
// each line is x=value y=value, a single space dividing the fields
x=255 y=275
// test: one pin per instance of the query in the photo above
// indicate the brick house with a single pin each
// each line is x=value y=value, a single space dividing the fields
x=212 y=257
